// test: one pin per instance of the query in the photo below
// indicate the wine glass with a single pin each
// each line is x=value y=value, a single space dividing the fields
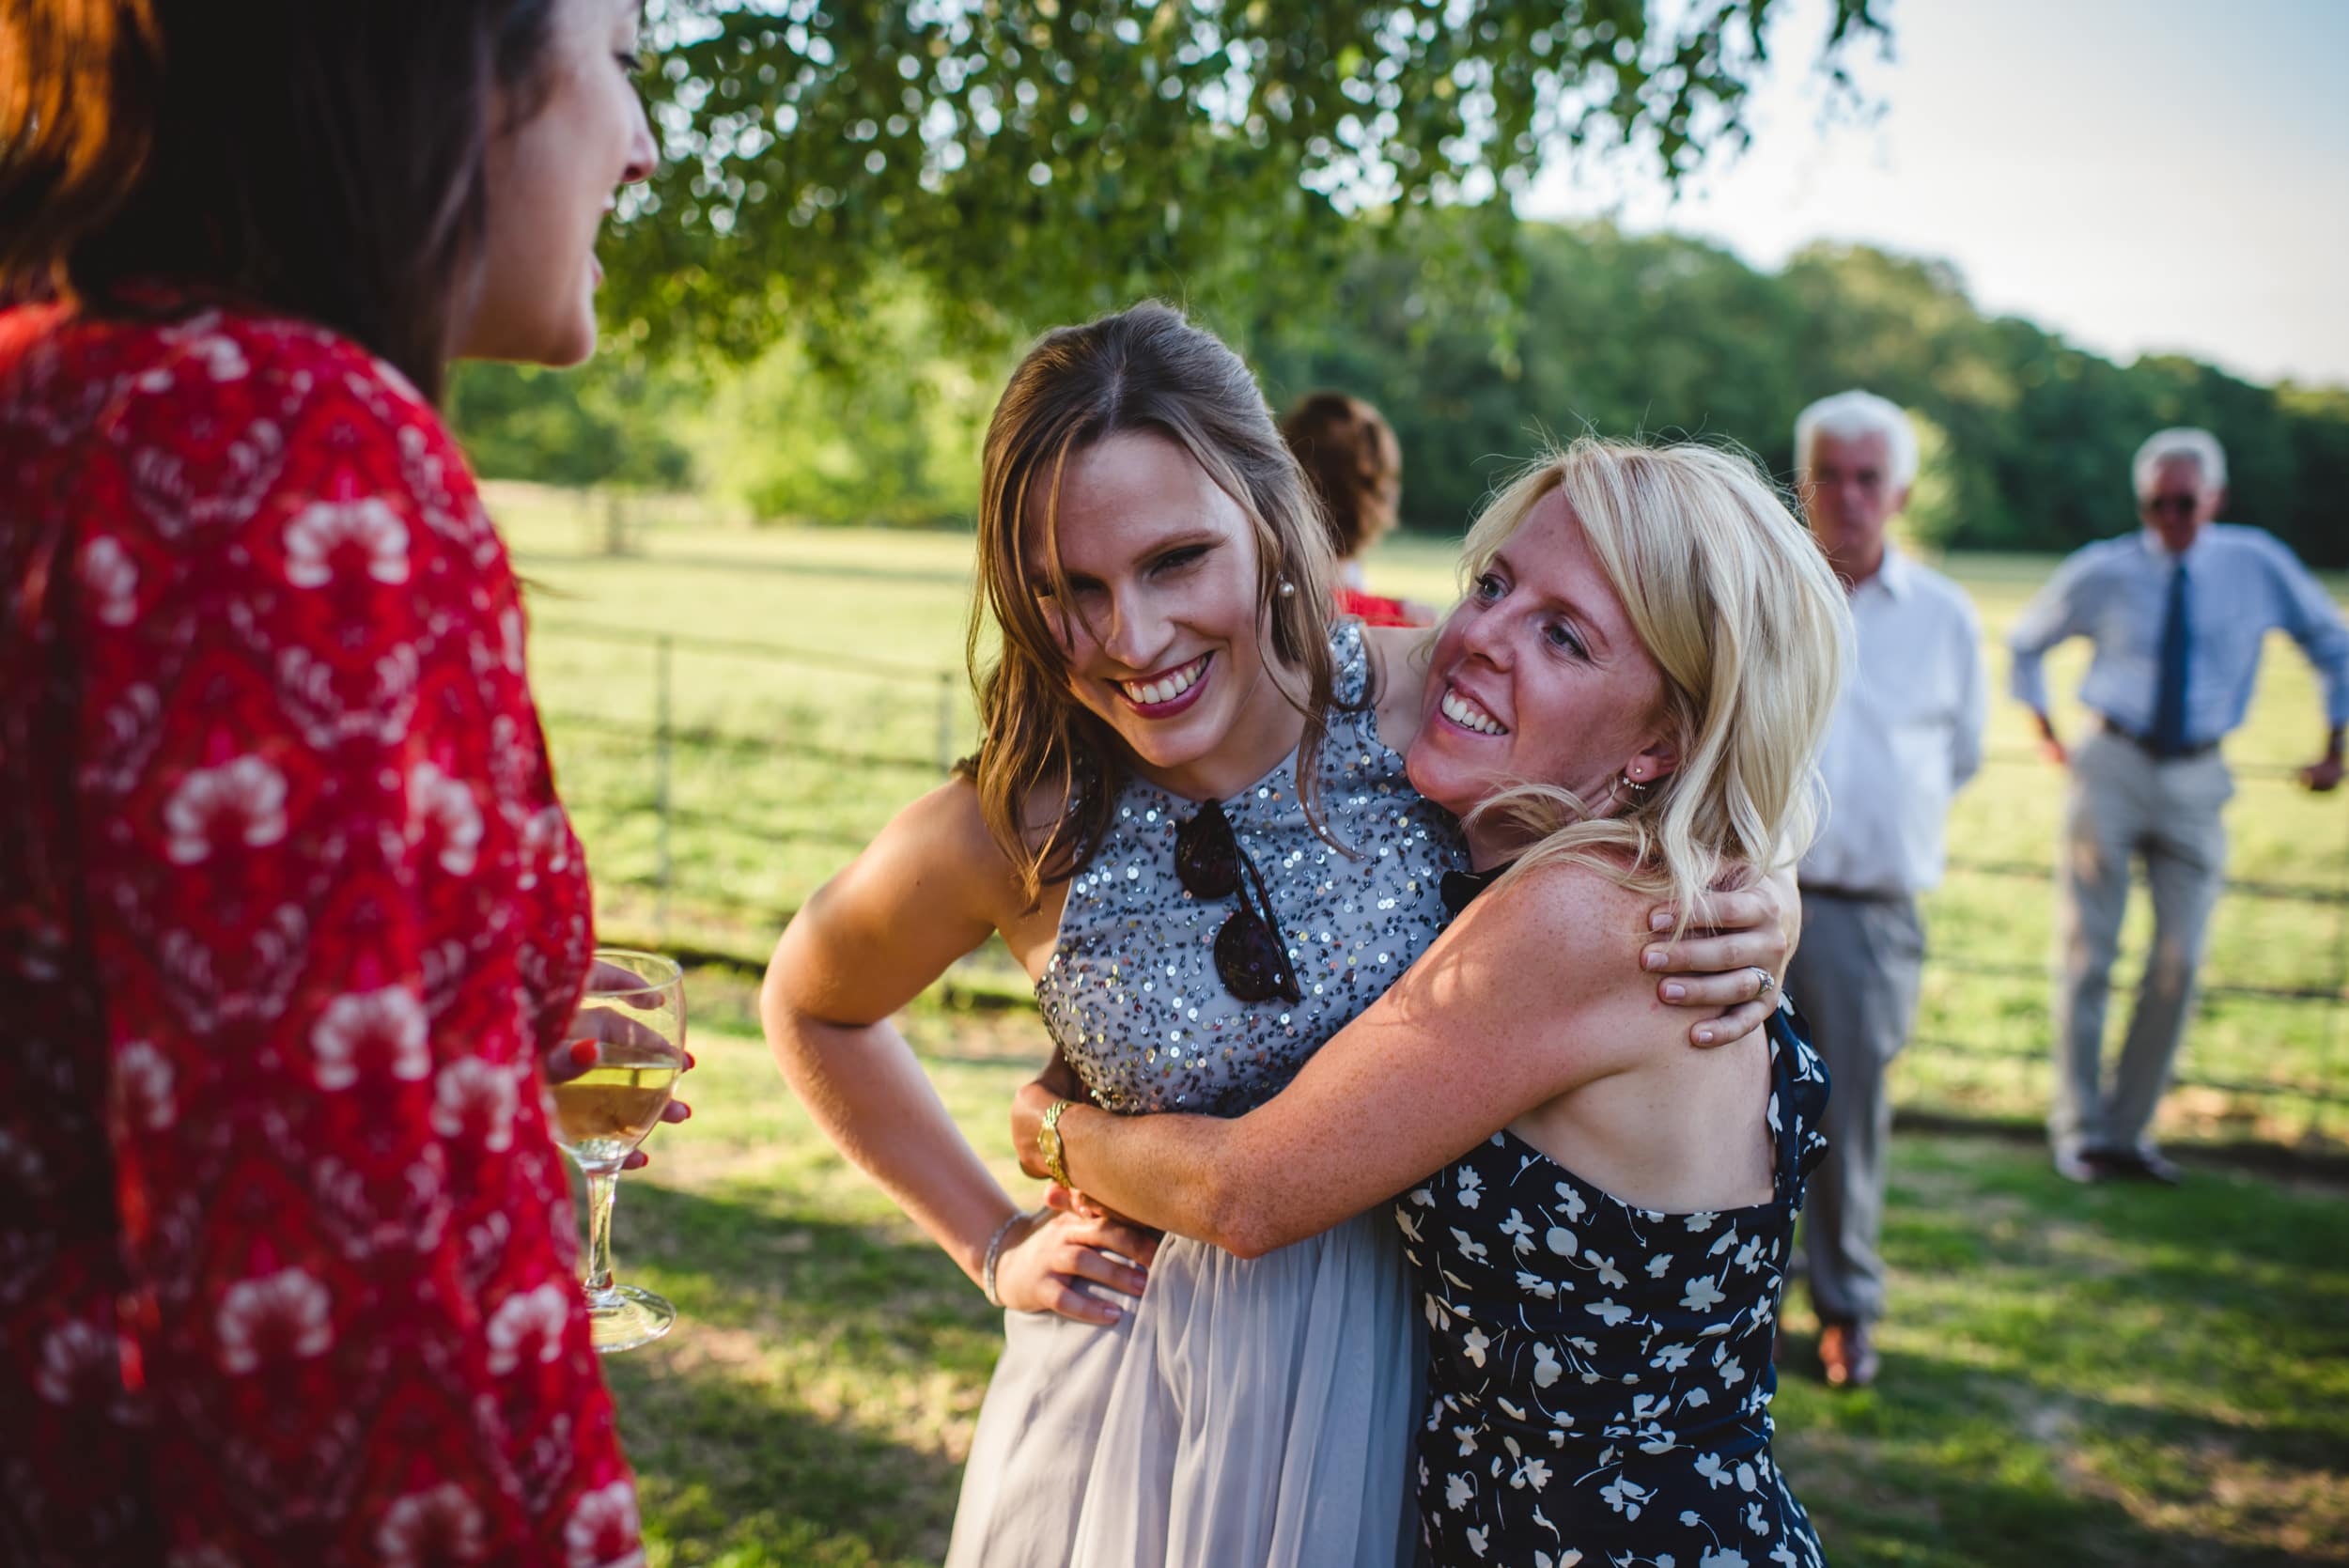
x=633 y=1008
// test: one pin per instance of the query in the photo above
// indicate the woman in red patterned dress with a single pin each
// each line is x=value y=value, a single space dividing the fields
x=289 y=909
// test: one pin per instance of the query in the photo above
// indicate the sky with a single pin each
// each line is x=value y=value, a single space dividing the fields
x=2141 y=176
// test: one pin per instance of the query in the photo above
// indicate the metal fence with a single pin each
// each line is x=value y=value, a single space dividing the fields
x=664 y=740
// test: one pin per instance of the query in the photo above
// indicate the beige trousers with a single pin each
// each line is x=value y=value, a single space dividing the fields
x=2124 y=806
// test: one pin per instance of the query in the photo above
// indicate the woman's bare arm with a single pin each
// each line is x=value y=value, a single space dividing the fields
x=1508 y=1010
x=930 y=888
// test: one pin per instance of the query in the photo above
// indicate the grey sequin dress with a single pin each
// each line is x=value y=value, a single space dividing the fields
x=1246 y=1411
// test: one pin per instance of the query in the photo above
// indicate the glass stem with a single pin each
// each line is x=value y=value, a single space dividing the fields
x=601 y=1189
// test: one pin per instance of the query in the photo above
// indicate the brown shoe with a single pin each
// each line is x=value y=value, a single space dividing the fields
x=1847 y=1355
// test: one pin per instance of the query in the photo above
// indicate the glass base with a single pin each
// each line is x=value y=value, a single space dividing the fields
x=626 y=1316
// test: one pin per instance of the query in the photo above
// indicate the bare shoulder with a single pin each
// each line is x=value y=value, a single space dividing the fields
x=1573 y=930
x=947 y=829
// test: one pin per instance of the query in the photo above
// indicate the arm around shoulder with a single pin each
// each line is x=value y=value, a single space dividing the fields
x=1520 y=1000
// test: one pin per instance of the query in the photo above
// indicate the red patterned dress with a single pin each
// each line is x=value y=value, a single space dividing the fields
x=289 y=913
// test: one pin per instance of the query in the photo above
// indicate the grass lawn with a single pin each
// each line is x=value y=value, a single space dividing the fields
x=2111 y=1377
x=783 y=786
x=2072 y=1376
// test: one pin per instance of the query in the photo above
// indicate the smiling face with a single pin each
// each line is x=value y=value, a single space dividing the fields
x=1162 y=633
x=1538 y=676
x=551 y=177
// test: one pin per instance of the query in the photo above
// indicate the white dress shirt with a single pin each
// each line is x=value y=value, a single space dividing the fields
x=1907 y=733
x=2240 y=583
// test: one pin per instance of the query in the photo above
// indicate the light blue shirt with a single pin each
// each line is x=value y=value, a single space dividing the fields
x=2241 y=583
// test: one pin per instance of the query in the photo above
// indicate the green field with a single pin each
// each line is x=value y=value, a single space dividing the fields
x=2107 y=1376
x=2116 y=1376
x=774 y=796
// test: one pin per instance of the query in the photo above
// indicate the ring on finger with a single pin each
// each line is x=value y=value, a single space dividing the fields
x=1764 y=980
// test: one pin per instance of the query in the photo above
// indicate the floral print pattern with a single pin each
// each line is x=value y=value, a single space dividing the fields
x=1599 y=1377
x=289 y=914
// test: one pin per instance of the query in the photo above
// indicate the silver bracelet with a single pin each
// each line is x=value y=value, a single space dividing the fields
x=994 y=1253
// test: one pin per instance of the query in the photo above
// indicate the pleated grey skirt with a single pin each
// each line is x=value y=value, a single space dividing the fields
x=1246 y=1411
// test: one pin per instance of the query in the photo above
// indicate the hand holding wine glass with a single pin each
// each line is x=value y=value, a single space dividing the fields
x=632 y=1012
x=584 y=1049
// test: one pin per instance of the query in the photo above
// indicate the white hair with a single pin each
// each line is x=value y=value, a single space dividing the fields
x=2200 y=448
x=1851 y=414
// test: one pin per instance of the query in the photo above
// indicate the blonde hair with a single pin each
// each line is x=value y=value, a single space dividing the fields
x=1142 y=370
x=1734 y=600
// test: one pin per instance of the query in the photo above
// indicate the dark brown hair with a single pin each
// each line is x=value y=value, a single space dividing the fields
x=322 y=158
x=1141 y=369
x=1350 y=455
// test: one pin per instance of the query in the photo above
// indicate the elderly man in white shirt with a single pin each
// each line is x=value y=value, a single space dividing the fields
x=1907 y=734
x=2178 y=612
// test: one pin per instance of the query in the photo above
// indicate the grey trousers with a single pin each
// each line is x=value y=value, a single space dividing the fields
x=2123 y=805
x=1855 y=977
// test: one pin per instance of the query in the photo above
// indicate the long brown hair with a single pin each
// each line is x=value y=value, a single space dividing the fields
x=1349 y=453
x=1146 y=369
x=322 y=158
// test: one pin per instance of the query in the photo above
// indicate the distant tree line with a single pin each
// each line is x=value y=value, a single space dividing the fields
x=2027 y=439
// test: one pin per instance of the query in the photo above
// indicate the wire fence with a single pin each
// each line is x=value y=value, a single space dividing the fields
x=2299 y=1095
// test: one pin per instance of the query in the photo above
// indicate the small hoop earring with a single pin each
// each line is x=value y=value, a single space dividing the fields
x=1288 y=589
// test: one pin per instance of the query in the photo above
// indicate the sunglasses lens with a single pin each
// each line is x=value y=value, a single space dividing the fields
x=1247 y=960
x=1206 y=856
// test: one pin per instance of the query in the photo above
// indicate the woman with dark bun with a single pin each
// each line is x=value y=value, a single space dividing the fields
x=1355 y=465
x=289 y=912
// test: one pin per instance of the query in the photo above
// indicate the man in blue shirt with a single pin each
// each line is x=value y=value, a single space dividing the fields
x=2177 y=613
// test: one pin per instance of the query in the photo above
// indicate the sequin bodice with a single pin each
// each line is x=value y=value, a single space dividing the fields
x=1131 y=990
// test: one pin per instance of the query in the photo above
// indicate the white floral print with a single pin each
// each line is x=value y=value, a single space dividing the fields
x=602 y=1530
x=1578 y=1360
x=528 y=1325
x=361 y=1026
x=280 y=1315
x=437 y=802
x=113 y=581
x=143 y=1085
x=239 y=803
x=366 y=524
x=440 y=1526
x=471 y=1096
x=73 y=1356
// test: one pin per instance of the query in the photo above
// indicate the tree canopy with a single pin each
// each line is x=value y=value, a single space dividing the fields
x=1036 y=160
x=2027 y=438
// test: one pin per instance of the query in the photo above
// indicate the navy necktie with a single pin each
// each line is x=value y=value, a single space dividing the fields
x=2177 y=642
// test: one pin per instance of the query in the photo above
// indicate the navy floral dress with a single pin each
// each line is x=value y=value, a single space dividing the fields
x=1600 y=1375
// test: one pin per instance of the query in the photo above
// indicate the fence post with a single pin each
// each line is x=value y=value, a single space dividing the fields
x=663 y=749
x=2326 y=1086
x=945 y=721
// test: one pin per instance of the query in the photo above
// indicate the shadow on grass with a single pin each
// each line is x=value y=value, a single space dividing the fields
x=2106 y=1375
x=811 y=1406
x=1944 y=1464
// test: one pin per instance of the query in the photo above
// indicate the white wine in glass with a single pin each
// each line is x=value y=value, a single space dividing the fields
x=633 y=1009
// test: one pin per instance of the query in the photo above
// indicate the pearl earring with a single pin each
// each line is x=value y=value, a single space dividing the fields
x=1288 y=589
